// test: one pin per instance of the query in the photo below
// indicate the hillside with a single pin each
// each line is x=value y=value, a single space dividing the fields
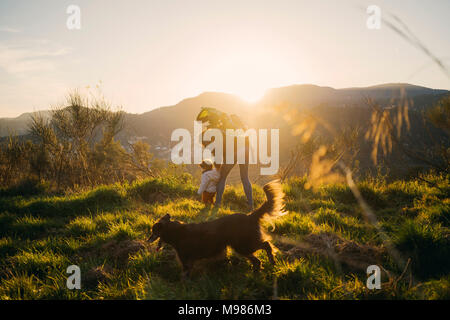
x=19 y=124
x=325 y=243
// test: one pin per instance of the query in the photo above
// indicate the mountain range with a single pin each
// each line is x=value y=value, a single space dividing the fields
x=155 y=126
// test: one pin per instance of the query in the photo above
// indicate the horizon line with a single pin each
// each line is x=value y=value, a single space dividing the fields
x=255 y=102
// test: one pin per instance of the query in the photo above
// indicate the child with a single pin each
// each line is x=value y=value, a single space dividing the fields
x=210 y=177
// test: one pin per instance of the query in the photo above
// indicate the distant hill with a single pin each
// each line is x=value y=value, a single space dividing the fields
x=312 y=95
x=19 y=124
x=158 y=124
x=155 y=126
x=340 y=108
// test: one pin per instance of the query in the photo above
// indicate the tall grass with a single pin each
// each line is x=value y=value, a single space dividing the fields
x=324 y=243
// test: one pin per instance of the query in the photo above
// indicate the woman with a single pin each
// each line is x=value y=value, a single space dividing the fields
x=220 y=120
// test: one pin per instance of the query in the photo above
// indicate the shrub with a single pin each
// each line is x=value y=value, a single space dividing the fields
x=429 y=247
x=111 y=195
x=26 y=188
x=161 y=188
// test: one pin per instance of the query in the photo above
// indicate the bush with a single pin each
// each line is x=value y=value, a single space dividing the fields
x=161 y=188
x=343 y=194
x=428 y=246
x=26 y=188
x=112 y=195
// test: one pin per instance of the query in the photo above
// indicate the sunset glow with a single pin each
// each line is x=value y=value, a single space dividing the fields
x=157 y=53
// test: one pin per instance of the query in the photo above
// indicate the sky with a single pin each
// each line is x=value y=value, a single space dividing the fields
x=144 y=54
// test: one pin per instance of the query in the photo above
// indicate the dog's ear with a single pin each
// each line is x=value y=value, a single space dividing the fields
x=166 y=218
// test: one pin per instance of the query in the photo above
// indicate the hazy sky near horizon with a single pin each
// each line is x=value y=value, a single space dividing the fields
x=155 y=53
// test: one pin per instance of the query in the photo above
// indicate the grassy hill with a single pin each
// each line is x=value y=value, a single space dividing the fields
x=325 y=243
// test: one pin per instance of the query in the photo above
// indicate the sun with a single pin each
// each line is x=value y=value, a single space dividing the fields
x=248 y=69
x=251 y=95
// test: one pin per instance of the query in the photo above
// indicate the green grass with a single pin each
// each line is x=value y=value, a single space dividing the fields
x=324 y=242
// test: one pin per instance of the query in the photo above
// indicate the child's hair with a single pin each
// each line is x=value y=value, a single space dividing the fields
x=206 y=165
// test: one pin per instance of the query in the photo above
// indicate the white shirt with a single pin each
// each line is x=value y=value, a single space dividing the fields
x=209 y=181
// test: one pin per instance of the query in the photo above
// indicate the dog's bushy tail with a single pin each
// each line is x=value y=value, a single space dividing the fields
x=274 y=203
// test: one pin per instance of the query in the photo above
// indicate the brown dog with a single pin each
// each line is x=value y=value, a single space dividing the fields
x=195 y=241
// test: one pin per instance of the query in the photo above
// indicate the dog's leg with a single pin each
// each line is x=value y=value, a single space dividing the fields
x=268 y=248
x=255 y=262
x=187 y=269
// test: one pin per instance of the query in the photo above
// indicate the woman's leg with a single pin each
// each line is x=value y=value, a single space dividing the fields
x=243 y=169
x=224 y=171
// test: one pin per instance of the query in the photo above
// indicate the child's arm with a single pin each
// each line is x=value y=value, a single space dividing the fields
x=203 y=184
